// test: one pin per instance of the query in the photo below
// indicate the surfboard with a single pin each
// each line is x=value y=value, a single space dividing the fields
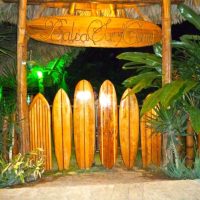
x=108 y=124
x=84 y=124
x=62 y=128
x=156 y=145
x=129 y=128
x=40 y=128
x=150 y=142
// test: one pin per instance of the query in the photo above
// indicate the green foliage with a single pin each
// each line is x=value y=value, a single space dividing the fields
x=148 y=67
x=172 y=122
x=182 y=172
x=8 y=78
x=56 y=67
x=185 y=72
x=143 y=62
x=169 y=121
x=186 y=57
x=7 y=128
x=177 y=101
x=141 y=81
x=189 y=15
x=168 y=94
x=6 y=35
x=1 y=92
x=54 y=73
x=194 y=113
x=7 y=106
x=21 y=169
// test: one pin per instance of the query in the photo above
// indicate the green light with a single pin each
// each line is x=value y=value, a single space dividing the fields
x=1 y=92
x=39 y=74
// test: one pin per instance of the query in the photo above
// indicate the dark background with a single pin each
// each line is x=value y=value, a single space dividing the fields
x=99 y=64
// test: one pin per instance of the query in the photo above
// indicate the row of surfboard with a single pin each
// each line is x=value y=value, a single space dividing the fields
x=83 y=125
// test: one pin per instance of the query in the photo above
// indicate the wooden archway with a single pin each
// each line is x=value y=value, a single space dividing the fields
x=22 y=48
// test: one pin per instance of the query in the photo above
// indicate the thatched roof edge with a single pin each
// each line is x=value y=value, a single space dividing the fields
x=9 y=11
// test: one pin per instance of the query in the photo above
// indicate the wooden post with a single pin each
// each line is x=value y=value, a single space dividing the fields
x=166 y=42
x=189 y=145
x=166 y=57
x=22 y=107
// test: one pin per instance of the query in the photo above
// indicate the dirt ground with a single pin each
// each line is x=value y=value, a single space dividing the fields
x=99 y=183
x=98 y=174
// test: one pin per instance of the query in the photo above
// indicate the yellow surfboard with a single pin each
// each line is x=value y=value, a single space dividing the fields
x=62 y=128
x=150 y=142
x=40 y=127
x=129 y=128
x=108 y=124
x=84 y=124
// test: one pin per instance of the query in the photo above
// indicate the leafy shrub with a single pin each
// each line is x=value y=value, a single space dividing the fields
x=183 y=172
x=23 y=168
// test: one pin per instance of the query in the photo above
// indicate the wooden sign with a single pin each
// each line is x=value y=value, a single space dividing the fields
x=85 y=31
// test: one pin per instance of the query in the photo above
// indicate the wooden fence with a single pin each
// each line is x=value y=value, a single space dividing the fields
x=106 y=117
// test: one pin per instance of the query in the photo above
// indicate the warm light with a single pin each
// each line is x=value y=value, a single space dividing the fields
x=83 y=95
x=105 y=100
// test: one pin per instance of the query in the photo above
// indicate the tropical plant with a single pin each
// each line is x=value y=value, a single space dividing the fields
x=7 y=110
x=22 y=168
x=180 y=171
x=182 y=95
x=53 y=74
x=147 y=65
x=149 y=69
x=8 y=128
x=5 y=35
x=172 y=122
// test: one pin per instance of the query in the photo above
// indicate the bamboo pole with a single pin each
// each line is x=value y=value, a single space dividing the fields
x=189 y=145
x=166 y=57
x=21 y=77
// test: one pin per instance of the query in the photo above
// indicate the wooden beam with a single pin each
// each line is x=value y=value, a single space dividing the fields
x=166 y=57
x=22 y=107
x=166 y=41
x=96 y=1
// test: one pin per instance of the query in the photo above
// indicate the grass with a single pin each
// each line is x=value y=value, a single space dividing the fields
x=96 y=167
x=74 y=169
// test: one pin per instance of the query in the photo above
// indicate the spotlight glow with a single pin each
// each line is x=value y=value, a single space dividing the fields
x=105 y=100
x=84 y=95
x=39 y=74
